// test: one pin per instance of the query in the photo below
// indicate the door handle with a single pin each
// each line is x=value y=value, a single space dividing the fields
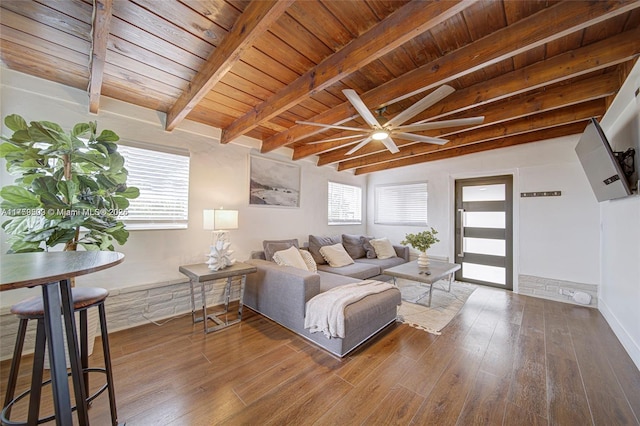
x=461 y=241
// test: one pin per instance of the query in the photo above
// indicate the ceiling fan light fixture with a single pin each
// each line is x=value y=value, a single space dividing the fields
x=380 y=134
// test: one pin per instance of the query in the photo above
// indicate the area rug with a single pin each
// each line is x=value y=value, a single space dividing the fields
x=444 y=305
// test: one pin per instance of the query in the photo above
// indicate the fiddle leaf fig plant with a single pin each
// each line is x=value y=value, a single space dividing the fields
x=71 y=187
x=421 y=241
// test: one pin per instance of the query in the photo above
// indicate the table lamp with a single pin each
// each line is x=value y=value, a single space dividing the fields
x=220 y=222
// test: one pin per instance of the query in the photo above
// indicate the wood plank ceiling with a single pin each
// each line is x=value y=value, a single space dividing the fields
x=534 y=69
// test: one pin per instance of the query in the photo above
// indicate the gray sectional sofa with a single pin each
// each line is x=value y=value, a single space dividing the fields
x=281 y=293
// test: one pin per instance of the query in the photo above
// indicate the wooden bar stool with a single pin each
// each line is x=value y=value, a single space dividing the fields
x=33 y=308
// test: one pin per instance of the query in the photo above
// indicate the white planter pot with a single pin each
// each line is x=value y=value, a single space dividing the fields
x=93 y=319
x=423 y=260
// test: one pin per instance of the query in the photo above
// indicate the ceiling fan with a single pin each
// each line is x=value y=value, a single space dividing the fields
x=381 y=129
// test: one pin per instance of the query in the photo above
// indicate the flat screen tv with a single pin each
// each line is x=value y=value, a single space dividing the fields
x=600 y=165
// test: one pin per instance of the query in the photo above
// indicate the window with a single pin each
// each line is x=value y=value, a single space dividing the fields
x=403 y=204
x=163 y=180
x=345 y=204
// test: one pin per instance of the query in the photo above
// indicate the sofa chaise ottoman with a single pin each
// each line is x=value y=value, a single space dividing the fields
x=280 y=293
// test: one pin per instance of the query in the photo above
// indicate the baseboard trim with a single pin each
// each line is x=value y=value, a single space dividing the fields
x=632 y=348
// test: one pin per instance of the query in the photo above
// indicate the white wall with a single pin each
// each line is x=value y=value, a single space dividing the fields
x=554 y=237
x=219 y=177
x=559 y=236
x=620 y=221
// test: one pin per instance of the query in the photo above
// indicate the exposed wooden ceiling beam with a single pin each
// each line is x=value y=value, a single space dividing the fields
x=258 y=16
x=520 y=37
x=546 y=120
x=100 y=28
x=597 y=56
x=398 y=28
x=536 y=136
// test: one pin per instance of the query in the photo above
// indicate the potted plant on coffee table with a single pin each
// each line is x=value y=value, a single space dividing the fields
x=422 y=241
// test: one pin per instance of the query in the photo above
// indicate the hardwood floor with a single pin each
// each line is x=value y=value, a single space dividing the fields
x=505 y=359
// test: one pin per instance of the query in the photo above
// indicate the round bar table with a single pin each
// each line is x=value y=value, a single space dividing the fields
x=52 y=271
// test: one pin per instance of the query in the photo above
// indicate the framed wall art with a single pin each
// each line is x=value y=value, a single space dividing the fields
x=273 y=182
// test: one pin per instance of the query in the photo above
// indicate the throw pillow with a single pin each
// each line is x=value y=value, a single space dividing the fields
x=353 y=244
x=336 y=255
x=316 y=242
x=272 y=246
x=290 y=257
x=383 y=247
x=308 y=260
x=368 y=248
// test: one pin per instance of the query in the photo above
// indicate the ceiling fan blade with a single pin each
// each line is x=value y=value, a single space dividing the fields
x=421 y=138
x=336 y=139
x=390 y=144
x=333 y=126
x=362 y=109
x=362 y=143
x=424 y=103
x=441 y=124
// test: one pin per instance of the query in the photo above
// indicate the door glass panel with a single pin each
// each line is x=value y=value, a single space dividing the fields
x=485 y=246
x=484 y=219
x=492 y=274
x=483 y=193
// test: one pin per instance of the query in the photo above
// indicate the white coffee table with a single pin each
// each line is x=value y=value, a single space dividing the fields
x=436 y=271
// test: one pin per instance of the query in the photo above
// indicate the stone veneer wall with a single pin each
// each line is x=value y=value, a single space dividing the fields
x=129 y=307
x=547 y=288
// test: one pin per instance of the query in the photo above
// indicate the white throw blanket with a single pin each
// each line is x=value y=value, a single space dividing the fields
x=325 y=311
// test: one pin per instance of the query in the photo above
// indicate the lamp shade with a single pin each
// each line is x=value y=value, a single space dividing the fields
x=207 y=220
x=225 y=219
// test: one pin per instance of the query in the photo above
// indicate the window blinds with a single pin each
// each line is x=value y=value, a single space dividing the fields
x=163 y=180
x=404 y=204
x=345 y=204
